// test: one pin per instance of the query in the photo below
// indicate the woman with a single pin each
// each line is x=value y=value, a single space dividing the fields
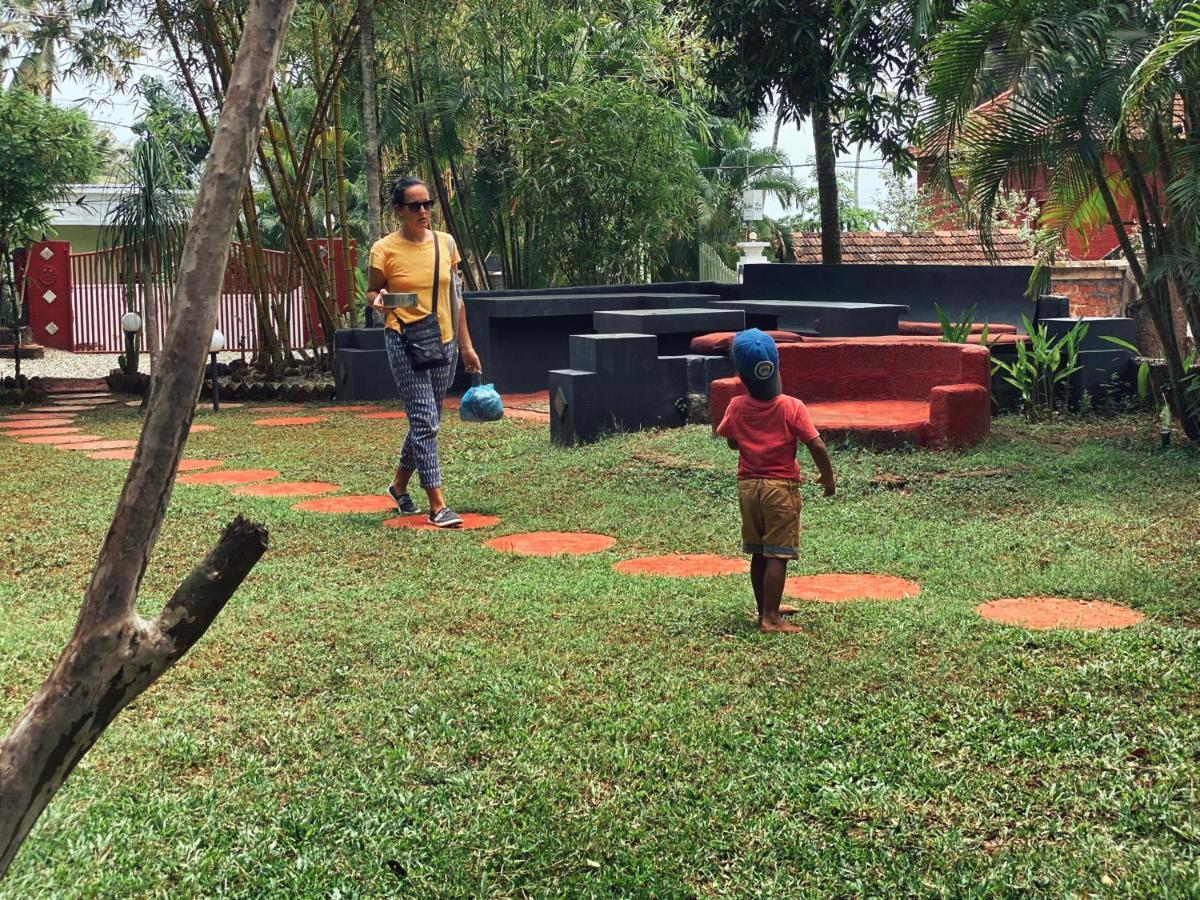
x=403 y=262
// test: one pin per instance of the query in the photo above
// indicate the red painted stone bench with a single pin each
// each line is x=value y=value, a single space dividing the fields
x=911 y=329
x=884 y=393
x=718 y=343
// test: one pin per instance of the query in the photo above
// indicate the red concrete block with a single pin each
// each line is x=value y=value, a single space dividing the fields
x=976 y=366
x=959 y=415
x=718 y=343
x=913 y=329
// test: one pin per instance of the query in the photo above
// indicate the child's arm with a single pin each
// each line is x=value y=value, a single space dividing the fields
x=820 y=456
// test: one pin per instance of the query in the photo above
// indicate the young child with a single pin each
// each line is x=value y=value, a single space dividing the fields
x=764 y=428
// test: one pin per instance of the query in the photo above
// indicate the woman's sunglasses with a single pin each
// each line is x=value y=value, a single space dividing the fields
x=418 y=205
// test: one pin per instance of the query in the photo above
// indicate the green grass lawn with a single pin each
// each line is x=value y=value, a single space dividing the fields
x=389 y=712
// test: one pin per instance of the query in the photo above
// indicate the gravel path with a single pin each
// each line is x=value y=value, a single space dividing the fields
x=61 y=364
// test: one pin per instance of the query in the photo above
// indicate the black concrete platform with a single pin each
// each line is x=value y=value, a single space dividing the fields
x=617 y=382
x=674 y=328
x=1106 y=370
x=996 y=293
x=1099 y=327
x=520 y=337
x=360 y=368
x=820 y=318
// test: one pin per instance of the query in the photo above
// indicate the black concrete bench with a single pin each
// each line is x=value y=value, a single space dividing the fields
x=360 y=368
x=520 y=337
x=1106 y=370
x=995 y=293
x=674 y=328
x=618 y=382
x=820 y=318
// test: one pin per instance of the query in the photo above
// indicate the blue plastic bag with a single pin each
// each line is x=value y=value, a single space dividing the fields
x=481 y=402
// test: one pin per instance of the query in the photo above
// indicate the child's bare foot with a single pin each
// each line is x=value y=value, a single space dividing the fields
x=779 y=627
x=786 y=609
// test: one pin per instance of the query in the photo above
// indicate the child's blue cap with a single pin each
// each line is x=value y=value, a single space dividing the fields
x=755 y=356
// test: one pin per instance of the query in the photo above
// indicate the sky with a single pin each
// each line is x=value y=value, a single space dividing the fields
x=104 y=104
x=797 y=143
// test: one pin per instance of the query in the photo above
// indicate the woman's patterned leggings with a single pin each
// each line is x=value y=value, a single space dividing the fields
x=422 y=393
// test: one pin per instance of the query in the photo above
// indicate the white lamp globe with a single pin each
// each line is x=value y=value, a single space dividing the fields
x=131 y=323
x=217 y=344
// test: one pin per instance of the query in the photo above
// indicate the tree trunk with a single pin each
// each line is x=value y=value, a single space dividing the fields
x=827 y=188
x=114 y=654
x=370 y=116
x=150 y=303
x=150 y=308
x=8 y=283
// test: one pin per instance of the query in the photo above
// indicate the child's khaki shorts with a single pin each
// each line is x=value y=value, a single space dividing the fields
x=770 y=517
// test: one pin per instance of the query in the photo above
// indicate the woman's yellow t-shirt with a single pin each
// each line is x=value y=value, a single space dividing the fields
x=408 y=266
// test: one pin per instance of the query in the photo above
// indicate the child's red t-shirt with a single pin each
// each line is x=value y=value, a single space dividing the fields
x=766 y=432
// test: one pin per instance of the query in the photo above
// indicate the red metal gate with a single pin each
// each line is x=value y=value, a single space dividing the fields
x=98 y=299
x=46 y=275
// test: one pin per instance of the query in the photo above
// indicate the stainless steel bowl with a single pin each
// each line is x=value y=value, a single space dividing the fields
x=400 y=300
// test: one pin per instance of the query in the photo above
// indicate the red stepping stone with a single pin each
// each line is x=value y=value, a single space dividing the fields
x=46 y=422
x=229 y=476
x=348 y=408
x=287 y=489
x=839 y=588
x=687 y=565
x=349 y=503
x=191 y=465
x=1043 y=613
x=552 y=543
x=84 y=401
x=19 y=430
x=470 y=521
x=61 y=439
x=293 y=420
x=100 y=445
x=201 y=429
x=39 y=432
x=521 y=399
x=126 y=455
x=185 y=465
x=530 y=415
x=384 y=415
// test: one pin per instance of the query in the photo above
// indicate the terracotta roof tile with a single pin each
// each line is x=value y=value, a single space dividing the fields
x=946 y=248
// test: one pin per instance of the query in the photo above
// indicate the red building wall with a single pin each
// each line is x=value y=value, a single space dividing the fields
x=1091 y=244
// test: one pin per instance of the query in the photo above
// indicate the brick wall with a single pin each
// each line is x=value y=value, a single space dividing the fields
x=1100 y=288
x=1105 y=288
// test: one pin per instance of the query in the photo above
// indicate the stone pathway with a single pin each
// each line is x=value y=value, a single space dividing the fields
x=56 y=425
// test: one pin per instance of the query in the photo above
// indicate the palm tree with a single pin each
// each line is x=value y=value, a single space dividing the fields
x=1104 y=99
x=728 y=165
x=148 y=223
x=37 y=29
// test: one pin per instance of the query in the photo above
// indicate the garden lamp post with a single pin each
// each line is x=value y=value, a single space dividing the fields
x=131 y=324
x=215 y=346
